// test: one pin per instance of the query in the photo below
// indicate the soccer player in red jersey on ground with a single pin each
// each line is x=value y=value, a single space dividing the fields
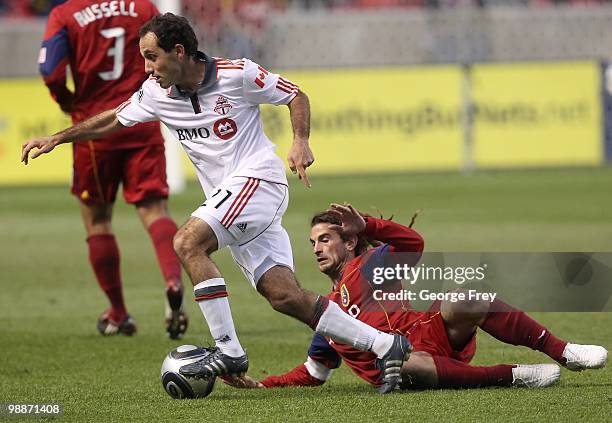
x=99 y=41
x=443 y=338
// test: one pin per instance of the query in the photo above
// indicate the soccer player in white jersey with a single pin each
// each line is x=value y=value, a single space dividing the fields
x=211 y=106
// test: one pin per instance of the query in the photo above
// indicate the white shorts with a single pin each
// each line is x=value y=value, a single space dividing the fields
x=245 y=214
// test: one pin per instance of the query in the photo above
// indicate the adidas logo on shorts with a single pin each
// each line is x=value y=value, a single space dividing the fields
x=242 y=227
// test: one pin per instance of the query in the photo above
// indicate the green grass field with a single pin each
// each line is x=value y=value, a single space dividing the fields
x=51 y=351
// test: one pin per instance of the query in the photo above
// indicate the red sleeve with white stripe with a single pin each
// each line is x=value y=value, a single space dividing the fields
x=264 y=87
x=139 y=108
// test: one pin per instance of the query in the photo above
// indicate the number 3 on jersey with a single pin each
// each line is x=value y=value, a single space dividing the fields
x=116 y=52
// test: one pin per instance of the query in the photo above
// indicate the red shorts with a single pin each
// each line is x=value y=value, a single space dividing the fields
x=428 y=334
x=98 y=173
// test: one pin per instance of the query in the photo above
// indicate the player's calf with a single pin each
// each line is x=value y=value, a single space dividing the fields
x=194 y=237
x=193 y=243
x=419 y=372
x=282 y=290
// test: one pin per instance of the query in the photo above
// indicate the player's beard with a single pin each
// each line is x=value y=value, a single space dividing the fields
x=335 y=270
x=161 y=82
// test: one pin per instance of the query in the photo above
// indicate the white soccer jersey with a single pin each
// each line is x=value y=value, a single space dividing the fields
x=219 y=127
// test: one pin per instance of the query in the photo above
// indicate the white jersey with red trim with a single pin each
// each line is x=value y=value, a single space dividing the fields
x=220 y=126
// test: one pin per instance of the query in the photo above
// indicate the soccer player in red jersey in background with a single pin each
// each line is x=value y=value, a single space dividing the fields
x=443 y=338
x=99 y=41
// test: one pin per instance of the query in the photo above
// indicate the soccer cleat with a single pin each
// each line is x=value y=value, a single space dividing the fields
x=176 y=319
x=216 y=364
x=108 y=327
x=580 y=357
x=390 y=365
x=535 y=375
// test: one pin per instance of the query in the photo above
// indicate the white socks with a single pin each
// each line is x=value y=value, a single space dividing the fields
x=211 y=296
x=336 y=324
x=317 y=370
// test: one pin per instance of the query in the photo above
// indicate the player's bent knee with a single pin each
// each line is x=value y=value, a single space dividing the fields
x=185 y=243
x=194 y=237
x=464 y=311
x=419 y=372
x=151 y=210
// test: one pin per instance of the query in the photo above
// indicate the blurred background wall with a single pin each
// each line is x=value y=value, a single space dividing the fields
x=330 y=33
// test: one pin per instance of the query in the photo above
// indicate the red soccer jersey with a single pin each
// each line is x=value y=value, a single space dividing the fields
x=354 y=293
x=99 y=40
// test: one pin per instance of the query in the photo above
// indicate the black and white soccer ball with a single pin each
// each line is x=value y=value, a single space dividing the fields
x=179 y=386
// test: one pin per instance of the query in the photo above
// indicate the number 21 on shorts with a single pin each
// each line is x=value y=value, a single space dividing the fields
x=219 y=200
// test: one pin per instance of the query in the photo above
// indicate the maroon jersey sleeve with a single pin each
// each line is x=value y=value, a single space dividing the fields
x=322 y=358
x=399 y=237
x=299 y=376
x=53 y=59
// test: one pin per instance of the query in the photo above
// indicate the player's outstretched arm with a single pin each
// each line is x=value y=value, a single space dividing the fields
x=299 y=376
x=95 y=127
x=300 y=155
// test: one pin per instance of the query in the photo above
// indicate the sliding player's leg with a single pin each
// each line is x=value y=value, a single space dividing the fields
x=445 y=343
x=515 y=327
x=424 y=371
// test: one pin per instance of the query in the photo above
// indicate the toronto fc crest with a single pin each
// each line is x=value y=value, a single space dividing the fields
x=222 y=106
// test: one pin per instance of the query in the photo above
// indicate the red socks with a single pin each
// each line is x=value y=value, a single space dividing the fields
x=162 y=232
x=456 y=374
x=513 y=326
x=104 y=259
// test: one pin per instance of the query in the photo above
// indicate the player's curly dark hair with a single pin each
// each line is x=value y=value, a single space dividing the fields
x=325 y=217
x=171 y=30
x=363 y=243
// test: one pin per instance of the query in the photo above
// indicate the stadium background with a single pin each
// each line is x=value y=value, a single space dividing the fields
x=491 y=116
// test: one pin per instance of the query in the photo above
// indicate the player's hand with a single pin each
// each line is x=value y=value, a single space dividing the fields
x=300 y=157
x=44 y=145
x=242 y=382
x=352 y=221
